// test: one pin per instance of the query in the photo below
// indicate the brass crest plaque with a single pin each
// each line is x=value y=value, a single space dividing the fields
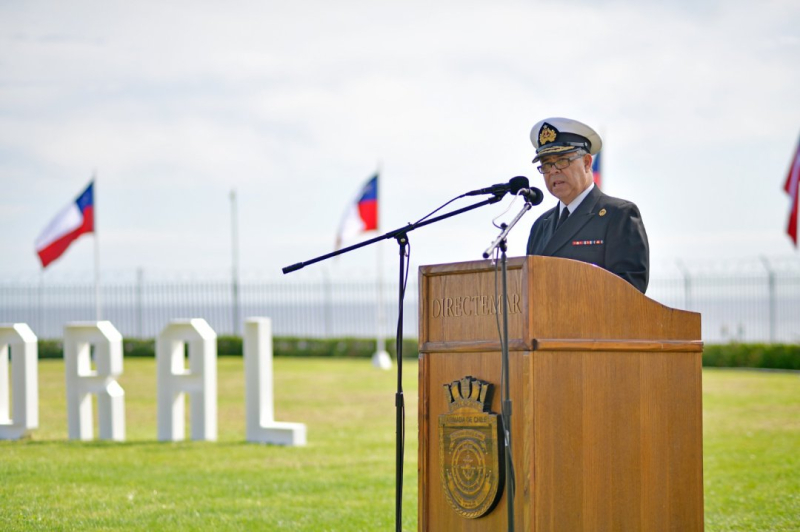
x=470 y=449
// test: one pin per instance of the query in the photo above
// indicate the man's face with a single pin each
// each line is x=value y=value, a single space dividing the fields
x=567 y=183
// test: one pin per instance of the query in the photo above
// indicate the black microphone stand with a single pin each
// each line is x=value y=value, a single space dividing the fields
x=501 y=243
x=401 y=235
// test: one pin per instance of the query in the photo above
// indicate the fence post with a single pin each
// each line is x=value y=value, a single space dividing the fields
x=139 y=303
x=687 y=285
x=771 y=289
x=326 y=301
x=40 y=317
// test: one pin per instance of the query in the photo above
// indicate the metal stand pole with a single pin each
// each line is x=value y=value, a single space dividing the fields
x=510 y=487
x=501 y=243
x=402 y=240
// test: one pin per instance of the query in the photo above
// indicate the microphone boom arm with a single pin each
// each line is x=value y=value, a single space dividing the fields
x=401 y=235
x=392 y=234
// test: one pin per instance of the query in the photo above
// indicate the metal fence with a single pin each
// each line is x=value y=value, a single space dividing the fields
x=746 y=306
x=142 y=309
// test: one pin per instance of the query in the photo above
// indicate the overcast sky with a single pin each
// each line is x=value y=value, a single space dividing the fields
x=294 y=104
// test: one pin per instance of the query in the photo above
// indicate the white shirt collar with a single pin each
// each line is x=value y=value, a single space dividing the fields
x=577 y=201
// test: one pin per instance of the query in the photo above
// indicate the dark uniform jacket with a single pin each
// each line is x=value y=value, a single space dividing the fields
x=604 y=231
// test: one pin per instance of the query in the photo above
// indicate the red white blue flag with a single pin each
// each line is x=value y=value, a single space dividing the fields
x=74 y=220
x=362 y=214
x=792 y=187
x=596 y=170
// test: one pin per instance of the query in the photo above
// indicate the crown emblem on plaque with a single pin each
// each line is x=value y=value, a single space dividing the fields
x=467 y=393
x=547 y=134
x=470 y=448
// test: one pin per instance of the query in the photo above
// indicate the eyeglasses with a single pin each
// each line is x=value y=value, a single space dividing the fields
x=558 y=163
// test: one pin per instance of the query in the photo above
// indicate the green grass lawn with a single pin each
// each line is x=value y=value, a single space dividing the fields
x=344 y=478
x=751 y=450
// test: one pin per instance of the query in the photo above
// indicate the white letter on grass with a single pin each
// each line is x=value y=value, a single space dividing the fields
x=175 y=380
x=82 y=381
x=261 y=424
x=19 y=339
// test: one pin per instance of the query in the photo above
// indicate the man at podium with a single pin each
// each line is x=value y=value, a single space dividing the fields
x=586 y=225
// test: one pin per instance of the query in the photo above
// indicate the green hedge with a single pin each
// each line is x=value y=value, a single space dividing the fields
x=734 y=355
x=282 y=346
x=769 y=356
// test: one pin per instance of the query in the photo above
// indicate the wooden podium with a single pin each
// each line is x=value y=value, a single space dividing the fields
x=606 y=394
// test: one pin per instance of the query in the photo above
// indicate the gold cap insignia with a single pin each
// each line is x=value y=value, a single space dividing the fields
x=602 y=212
x=546 y=134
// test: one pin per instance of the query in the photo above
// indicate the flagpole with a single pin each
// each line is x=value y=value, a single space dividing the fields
x=97 y=305
x=234 y=264
x=597 y=165
x=380 y=340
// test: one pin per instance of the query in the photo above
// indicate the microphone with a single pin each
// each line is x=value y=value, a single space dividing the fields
x=514 y=185
x=532 y=194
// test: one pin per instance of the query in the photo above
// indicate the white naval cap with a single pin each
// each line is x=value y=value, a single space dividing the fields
x=563 y=135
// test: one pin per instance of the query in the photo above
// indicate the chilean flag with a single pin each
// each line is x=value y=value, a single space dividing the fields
x=596 y=170
x=362 y=214
x=74 y=220
x=792 y=187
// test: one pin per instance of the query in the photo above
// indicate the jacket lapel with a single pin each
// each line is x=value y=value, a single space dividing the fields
x=576 y=220
x=548 y=227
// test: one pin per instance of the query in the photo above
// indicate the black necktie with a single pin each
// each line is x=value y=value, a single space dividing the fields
x=563 y=217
